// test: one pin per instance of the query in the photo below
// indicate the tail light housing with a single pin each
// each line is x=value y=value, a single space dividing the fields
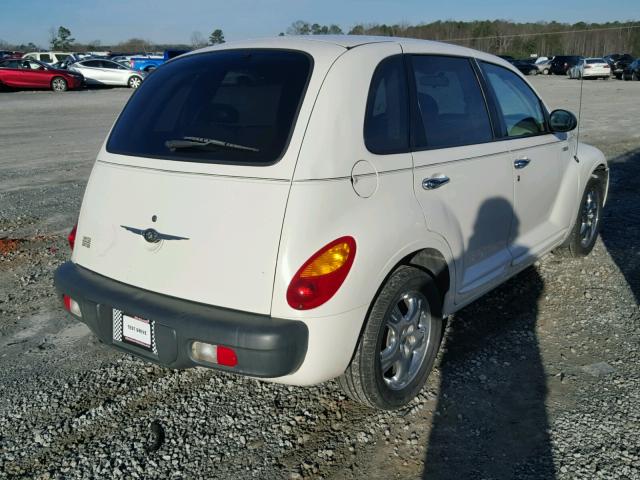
x=72 y=236
x=72 y=306
x=320 y=277
x=209 y=353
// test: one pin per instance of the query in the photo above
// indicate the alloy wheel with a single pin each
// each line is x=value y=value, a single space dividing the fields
x=406 y=340
x=59 y=85
x=589 y=217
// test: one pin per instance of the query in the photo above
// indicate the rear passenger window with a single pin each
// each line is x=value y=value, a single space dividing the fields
x=452 y=110
x=520 y=107
x=45 y=57
x=386 y=125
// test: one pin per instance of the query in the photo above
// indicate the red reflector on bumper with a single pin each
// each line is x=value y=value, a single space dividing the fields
x=67 y=302
x=227 y=357
x=71 y=306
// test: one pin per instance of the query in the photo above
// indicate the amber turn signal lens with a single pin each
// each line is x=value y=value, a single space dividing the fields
x=328 y=262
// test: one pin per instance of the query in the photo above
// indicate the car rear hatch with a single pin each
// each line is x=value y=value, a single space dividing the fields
x=188 y=194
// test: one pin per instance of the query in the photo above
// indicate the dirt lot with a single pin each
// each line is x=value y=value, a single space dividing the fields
x=538 y=380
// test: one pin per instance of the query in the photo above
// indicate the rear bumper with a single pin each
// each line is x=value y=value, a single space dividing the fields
x=265 y=346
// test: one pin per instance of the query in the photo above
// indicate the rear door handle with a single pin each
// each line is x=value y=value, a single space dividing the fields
x=521 y=162
x=432 y=183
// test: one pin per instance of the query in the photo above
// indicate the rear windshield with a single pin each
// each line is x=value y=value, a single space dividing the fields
x=595 y=60
x=230 y=106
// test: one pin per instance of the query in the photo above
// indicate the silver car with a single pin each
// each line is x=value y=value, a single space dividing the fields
x=98 y=71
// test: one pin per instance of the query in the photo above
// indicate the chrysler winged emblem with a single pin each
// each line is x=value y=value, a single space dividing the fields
x=151 y=235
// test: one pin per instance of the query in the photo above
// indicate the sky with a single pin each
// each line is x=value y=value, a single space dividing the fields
x=171 y=21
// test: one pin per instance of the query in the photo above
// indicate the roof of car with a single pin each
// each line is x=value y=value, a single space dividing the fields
x=315 y=43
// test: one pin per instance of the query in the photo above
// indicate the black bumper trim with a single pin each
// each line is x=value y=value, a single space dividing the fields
x=265 y=346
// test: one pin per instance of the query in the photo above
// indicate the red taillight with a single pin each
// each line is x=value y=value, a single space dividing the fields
x=227 y=357
x=67 y=302
x=320 y=277
x=587 y=66
x=72 y=236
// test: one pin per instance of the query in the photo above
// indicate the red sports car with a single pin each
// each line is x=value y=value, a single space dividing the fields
x=21 y=73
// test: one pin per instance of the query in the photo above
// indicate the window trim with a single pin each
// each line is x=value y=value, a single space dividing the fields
x=416 y=119
x=491 y=93
x=370 y=100
x=294 y=121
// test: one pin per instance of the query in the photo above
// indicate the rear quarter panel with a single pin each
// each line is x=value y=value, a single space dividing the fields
x=323 y=205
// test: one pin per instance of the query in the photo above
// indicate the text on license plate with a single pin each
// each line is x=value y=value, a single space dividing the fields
x=136 y=330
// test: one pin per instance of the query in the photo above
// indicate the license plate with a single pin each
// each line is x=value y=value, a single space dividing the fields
x=133 y=330
x=136 y=330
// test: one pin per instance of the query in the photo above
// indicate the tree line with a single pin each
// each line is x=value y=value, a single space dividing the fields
x=501 y=37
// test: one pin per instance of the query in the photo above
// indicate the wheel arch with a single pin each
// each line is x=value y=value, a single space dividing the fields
x=593 y=163
x=602 y=171
x=433 y=262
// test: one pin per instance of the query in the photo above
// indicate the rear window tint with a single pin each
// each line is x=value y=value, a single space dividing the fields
x=386 y=126
x=230 y=106
x=595 y=60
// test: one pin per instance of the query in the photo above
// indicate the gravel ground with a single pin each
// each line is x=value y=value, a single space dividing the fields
x=537 y=380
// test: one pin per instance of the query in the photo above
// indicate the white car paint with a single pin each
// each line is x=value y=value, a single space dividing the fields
x=48 y=57
x=251 y=228
x=106 y=72
x=590 y=68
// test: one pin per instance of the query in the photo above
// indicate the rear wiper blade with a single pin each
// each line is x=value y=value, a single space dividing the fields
x=196 y=142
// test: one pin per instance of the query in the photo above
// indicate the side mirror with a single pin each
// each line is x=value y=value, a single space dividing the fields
x=562 y=121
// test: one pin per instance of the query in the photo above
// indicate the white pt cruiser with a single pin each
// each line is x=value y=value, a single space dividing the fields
x=301 y=209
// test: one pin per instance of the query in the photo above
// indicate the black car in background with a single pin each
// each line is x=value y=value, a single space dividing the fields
x=562 y=63
x=526 y=67
x=618 y=62
x=632 y=72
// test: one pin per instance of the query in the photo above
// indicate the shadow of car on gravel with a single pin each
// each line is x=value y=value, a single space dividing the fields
x=621 y=223
x=490 y=421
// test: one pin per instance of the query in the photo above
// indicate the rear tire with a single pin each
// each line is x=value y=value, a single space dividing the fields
x=59 y=84
x=584 y=234
x=399 y=344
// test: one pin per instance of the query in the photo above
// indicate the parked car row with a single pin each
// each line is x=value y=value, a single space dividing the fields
x=578 y=66
x=62 y=72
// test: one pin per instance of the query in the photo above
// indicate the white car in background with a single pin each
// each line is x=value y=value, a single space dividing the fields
x=97 y=71
x=591 y=68
x=47 y=57
x=302 y=209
